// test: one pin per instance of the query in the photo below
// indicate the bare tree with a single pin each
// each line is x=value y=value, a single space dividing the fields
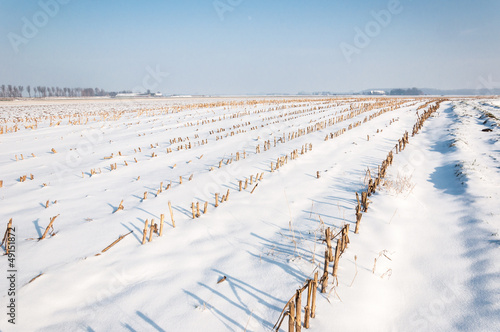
x=13 y=91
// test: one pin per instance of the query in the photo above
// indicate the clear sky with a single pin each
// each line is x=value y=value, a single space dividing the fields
x=250 y=46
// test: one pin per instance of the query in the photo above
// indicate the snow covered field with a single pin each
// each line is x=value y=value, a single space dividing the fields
x=425 y=258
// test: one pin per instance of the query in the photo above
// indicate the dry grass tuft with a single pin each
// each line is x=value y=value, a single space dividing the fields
x=401 y=185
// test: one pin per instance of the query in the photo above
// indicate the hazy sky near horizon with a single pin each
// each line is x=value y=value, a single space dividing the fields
x=250 y=46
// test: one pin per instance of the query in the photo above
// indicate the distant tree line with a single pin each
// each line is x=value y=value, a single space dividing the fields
x=406 y=92
x=16 y=91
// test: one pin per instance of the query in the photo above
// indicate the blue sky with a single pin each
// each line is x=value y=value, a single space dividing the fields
x=249 y=46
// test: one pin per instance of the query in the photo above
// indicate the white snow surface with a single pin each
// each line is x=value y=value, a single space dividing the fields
x=433 y=227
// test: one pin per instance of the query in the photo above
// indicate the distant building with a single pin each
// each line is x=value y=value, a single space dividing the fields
x=130 y=95
x=138 y=95
x=374 y=92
